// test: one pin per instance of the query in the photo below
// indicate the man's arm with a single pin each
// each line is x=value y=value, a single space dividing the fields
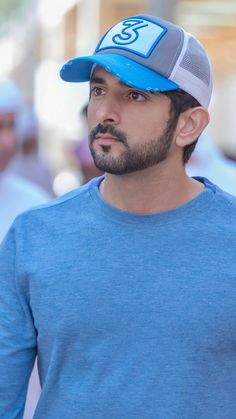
x=17 y=332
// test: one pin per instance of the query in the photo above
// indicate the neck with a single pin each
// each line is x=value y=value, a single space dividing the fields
x=150 y=191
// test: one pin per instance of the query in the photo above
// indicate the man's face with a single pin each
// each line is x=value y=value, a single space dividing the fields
x=7 y=138
x=130 y=129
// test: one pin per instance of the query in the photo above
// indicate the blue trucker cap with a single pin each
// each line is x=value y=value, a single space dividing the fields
x=151 y=54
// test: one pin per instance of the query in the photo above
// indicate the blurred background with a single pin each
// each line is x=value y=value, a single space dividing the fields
x=38 y=36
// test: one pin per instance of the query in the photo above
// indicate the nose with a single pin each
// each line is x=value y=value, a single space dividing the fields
x=108 y=110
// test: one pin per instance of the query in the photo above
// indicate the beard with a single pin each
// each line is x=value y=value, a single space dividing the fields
x=132 y=159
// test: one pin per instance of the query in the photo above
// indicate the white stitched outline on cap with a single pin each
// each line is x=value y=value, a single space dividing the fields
x=181 y=55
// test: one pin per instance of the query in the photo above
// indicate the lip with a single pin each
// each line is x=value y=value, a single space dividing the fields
x=105 y=139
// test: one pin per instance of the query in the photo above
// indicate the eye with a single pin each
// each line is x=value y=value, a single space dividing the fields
x=136 y=96
x=97 y=91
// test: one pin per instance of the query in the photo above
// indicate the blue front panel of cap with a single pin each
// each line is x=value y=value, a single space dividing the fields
x=137 y=35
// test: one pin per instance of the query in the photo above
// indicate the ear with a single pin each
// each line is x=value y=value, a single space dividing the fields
x=190 y=125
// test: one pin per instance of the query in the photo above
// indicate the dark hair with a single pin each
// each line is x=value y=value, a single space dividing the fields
x=180 y=102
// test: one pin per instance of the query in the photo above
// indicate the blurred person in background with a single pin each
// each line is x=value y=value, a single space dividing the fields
x=16 y=194
x=209 y=161
x=82 y=152
x=125 y=287
x=28 y=161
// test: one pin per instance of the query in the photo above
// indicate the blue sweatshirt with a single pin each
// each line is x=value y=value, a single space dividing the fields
x=132 y=316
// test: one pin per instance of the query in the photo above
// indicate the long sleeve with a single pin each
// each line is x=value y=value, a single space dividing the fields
x=17 y=333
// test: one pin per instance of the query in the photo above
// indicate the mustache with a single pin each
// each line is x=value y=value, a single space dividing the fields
x=107 y=129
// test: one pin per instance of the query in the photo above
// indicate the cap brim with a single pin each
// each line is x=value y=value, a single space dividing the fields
x=128 y=71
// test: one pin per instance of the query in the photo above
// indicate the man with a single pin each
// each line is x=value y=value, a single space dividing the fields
x=29 y=162
x=125 y=287
x=16 y=194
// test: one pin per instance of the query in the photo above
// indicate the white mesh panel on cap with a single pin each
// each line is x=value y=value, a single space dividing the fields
x=196 y=61
x=192 y=71
x=194 y=86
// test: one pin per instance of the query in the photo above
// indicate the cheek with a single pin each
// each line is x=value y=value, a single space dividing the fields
x=146 y=126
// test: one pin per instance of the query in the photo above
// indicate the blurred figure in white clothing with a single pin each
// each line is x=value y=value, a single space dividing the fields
x=209 y=161
x=10 y=101
x=28 y=162
x=16 y=194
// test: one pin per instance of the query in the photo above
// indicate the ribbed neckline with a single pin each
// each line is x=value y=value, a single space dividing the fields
x=189 y=209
